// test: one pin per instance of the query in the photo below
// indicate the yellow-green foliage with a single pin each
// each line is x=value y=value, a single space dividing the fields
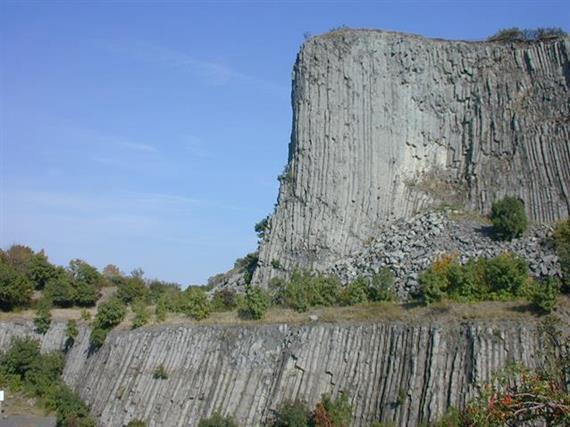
x=562 y=242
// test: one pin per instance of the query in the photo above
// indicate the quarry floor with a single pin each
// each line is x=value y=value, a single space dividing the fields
x=443 y=312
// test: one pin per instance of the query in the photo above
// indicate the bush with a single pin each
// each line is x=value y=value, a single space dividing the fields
x=15 y=289
x=142 y=315
x=433 y=286
x=136 y=423
x=381 y=286
x=71 y=332
x=39 y=270
x=506 y=275
x=87 y=282
x=256 y=303
x=562 y=244
x=355 y=293
x=544 y=295
x=160 y=310
x=292 y=414
x=262 y=227
x=40 y=376
x=131 y=289
x=217 y=420
x=509 y=218
x=333 y=413
x=61 y=289
x=529 y=35
x=194 y=303
x=160 y=373
x=224 y=300
x=42 y=321
x=109 y=315
x=20 y=357
x=306 y=289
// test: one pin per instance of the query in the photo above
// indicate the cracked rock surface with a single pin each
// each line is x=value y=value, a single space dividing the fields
x=386 y=125
x=394 y=371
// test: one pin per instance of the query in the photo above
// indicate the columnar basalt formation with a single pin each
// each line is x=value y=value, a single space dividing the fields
x=392 y=371
x=387 y=124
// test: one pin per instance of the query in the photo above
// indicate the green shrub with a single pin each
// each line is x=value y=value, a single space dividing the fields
x=70 y=409
x=71 y=332
x=333 y=413
x=217 y=420
x=256 y=303
x=136 y=423
x=224 y=300
x=42 y=321
x=20 y=356
x=292 y=414
x=161 y=310
x=15 y=288
x=467 y=282
x=519 y=35
x=355 y=293
x=306 y=289
x=109 y=314
x=132 y=288
x=506 y=275
x=262 y=227
x=195 y=303
x=142 y=315
x=87 y=282
x=39 y=270
x=160 y=373
x=509 y=218
x=545 y=295
x=98 y=337
x=381 y=287
x=40 y=376
x=85 y=315
x=562 y=244
x=433 y=286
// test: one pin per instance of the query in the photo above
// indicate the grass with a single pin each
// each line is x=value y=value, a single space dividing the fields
x=442 y=312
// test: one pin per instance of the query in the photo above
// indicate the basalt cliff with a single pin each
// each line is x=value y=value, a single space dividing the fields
x=386 y=125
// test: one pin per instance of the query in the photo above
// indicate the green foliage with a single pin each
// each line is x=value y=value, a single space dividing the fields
x=306 y=289
x=256 y=303
x=40 y=376
x=142 y=315
x=159 y=290
x=292 y=414
x=544 y=296
x=85 y=315
x=136 y=423
x=506 y=275
x=562 y=244
x=333 y=413
x=276 y=264
x=160 y=373
x=217 y=420
x=355 y=293
x=194 y=303
x=21 y=355
x=98 y=336
x=71 y=332
x=131 y=289
x=381 y=287
x=509 y=218
x=224 y=300
x=42 y=321
x=262 y=227
x=160 y=310
x=39 y=270
x=529 y=35
x=109 y=315
x=501 y=278
x=15 y=288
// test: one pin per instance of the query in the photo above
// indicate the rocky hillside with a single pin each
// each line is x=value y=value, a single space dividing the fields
x=388 y=124
x=393 y=371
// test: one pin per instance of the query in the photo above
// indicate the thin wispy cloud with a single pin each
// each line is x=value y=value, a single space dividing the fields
x=139 y=147
x=211 y=72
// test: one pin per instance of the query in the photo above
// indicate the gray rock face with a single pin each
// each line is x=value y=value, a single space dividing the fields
x=387 y=124
x=406 y=373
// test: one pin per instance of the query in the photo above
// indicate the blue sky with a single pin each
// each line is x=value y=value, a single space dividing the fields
x=150 y=134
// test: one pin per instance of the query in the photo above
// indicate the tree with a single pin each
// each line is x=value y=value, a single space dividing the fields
x=131 y=289
x=61 y=289
x=262 y=227
x=39 y=270
x=509 y=218
x=87 y=281
x=195 y=303
x=256 y=302
x=15 y=288
x=42 y=321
